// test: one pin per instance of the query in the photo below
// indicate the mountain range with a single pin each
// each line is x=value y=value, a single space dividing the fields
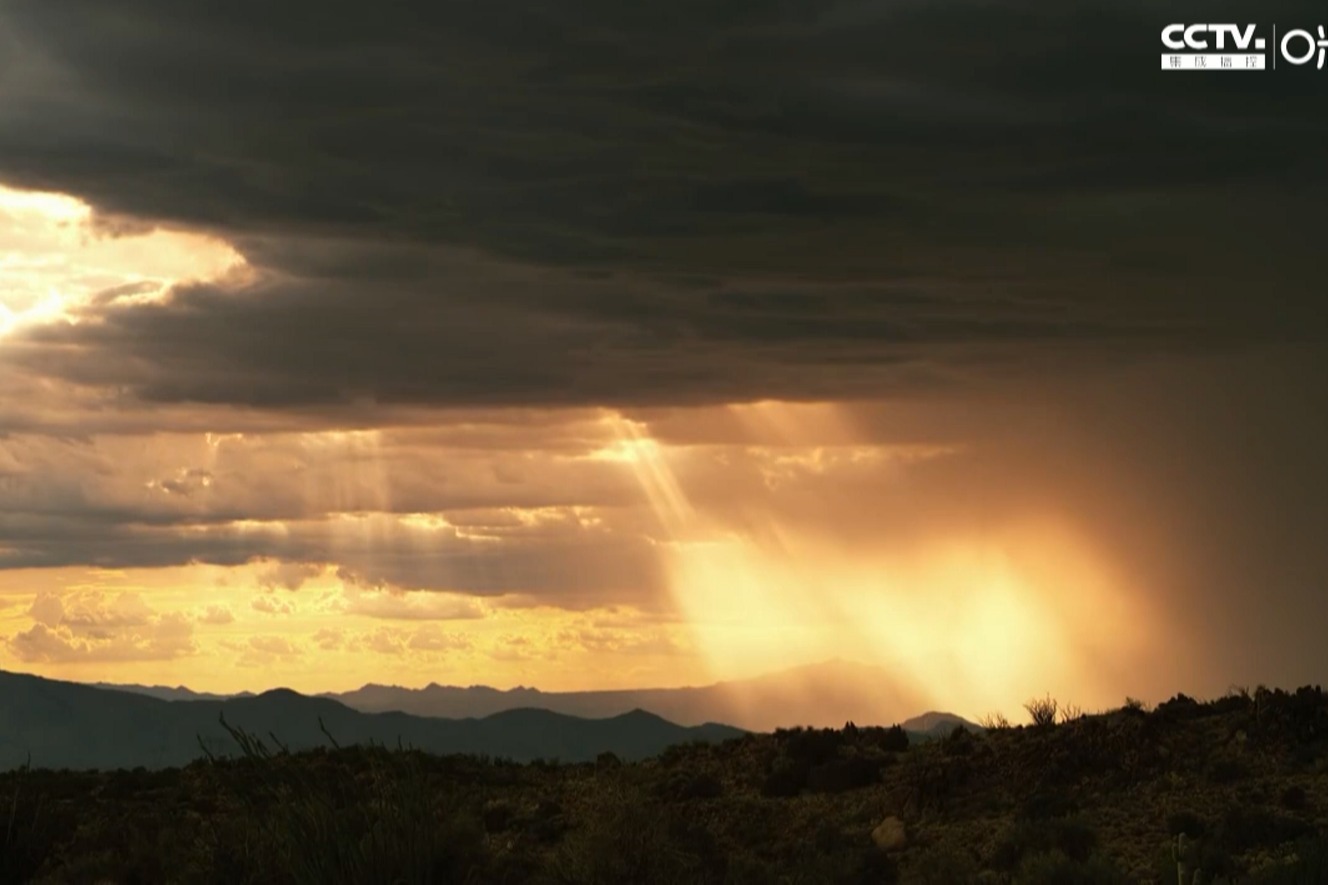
x=56 y=724
x=826 y=694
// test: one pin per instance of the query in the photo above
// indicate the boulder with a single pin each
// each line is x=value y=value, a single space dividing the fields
x=890 y=834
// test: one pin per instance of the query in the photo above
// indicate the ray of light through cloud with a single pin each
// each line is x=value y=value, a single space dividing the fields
x=55 y=260
x=966 y=621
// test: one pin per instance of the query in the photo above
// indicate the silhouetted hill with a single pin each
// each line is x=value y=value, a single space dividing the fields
x=1100 y=799
x=825 y=694
x=166 y=693
x=68 y=725
x=937 y=725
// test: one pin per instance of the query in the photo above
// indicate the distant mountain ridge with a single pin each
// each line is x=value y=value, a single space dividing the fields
x=827 y=694
x=69 y=725
x=166 y=693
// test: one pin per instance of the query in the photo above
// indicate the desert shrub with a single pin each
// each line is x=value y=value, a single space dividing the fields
x=28 y=833
x=1070 y=836
x=895 y=740
x=839 y=775
x=1178 y=708
x=960 y=742
x=1309 y=867
x=1055 y=868
x=813 y=746
x=841 y=857
x=1232 y=703
x=382 y=826
x=107 y=848
x=1227 y=770
x=944 y=863
x=1214 y=862
x=994 y=722
x=784 y=779
x=1042 y=711
x=1134 y=706
x=1044 y=804
x=622 y=840
x=678 y=754
x=497 y=816
x=1244 y=827
x=683 y=785
x=1186 y=822
x=1294 y=798
x=1071 y=712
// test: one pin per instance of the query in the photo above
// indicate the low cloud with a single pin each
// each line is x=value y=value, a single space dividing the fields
x=398 y=605
x=271 y=606
x=90 y=625
x=216 y=615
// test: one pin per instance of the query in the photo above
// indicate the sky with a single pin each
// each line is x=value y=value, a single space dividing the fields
x=583 y=344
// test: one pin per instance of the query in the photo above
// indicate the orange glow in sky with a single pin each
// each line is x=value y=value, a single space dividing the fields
x=972 y=619
x=975 y=623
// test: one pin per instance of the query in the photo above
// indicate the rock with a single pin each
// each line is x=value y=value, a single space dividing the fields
x=890 y=835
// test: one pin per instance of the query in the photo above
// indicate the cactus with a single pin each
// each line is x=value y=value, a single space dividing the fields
x=1186 y=855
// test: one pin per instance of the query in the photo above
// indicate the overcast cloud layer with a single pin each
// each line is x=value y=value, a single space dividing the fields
x=585 y=202
x=1046 y=279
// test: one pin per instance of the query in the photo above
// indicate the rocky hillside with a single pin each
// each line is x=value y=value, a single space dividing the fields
x=1095 y=799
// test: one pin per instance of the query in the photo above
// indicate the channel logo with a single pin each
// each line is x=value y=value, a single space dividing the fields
x=1247 y=47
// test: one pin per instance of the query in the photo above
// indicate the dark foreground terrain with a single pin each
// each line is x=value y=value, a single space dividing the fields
x=1079 y=799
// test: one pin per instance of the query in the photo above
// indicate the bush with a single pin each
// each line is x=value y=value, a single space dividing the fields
x=960 y=742
x=1180 y=707
x=1227 y=771
x=27 y=836
x=1188 y=823
x=621 y=840
x=1244 y=828
x=1310 y=866
x=1071 y=712
x=895 y=739
x=682 y=786
x=382 y=826
x=1045 y=805
x=1294 y=798
x=785 y=779
x=813 y=746
x=839 y=775
x=1070 y=836
x=945 y=863
x=1054 y=868
x=1042 y=711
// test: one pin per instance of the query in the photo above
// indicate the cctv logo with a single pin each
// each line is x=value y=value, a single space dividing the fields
x=1212 y=48
x=1193 y=37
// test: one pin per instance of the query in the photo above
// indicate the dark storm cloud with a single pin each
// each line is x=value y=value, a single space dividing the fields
x=594 y=202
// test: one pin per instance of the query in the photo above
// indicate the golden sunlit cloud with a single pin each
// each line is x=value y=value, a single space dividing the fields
x=220 y=629
x=55 y=260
